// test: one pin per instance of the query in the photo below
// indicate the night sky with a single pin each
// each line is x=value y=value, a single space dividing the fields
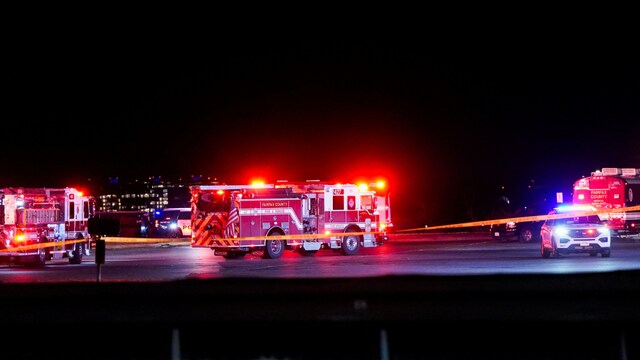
x=447 y=114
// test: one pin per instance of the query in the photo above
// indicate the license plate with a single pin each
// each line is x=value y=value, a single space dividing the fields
x=585 y=244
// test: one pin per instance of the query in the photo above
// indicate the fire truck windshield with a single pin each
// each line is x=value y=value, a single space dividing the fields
x=213 y=202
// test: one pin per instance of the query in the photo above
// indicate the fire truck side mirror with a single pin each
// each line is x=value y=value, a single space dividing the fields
x=104 y=227
x=100 y=251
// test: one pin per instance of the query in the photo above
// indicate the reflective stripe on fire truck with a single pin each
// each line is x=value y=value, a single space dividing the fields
x=274 y=211
x=342 y=225
x=224 y=242
x=202 y=236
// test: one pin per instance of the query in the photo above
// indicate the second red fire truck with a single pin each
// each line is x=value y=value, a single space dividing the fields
x=40 y=224
x=235 y=220
x=612 y=189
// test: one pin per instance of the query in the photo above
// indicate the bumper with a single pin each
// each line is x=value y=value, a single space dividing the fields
x=509 y=235
x=583 y=245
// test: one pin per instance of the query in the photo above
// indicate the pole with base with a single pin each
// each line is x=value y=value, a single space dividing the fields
x=100 y=250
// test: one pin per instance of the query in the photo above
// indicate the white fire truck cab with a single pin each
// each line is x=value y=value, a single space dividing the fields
x=40 y=224
x=235 y=220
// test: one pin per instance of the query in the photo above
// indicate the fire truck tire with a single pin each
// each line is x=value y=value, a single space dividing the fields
x=274 y=249
x=350 y=245
x=41 y=259
x=76 y=254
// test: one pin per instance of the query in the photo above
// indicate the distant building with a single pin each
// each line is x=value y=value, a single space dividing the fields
x=147 y=195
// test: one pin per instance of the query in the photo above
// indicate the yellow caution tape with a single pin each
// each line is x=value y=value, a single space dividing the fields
x=116 y=239
x=41 y=245
x=526 y=218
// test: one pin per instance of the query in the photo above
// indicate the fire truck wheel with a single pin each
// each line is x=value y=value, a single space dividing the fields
x=41 y=259
x=350 y=245
x=274 y=248
x=76 y=254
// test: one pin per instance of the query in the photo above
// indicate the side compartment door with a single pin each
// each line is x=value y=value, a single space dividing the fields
x=320 y=213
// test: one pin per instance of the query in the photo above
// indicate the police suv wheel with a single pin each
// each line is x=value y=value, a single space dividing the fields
x=526 y=235
x=554 y=250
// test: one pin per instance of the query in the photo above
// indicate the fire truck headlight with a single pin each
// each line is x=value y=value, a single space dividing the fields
x=20 y=238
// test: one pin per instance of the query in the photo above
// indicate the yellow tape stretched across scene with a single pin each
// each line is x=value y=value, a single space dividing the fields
x=439 y=227
x=41 y=245
x=526 y=218
x=109 y=239
x=124 y=240
x=132 y=240
x=319 y=236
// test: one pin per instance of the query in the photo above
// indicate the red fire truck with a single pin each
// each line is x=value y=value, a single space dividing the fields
x=40 y=224
x=612 y=189
x=235 y=220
